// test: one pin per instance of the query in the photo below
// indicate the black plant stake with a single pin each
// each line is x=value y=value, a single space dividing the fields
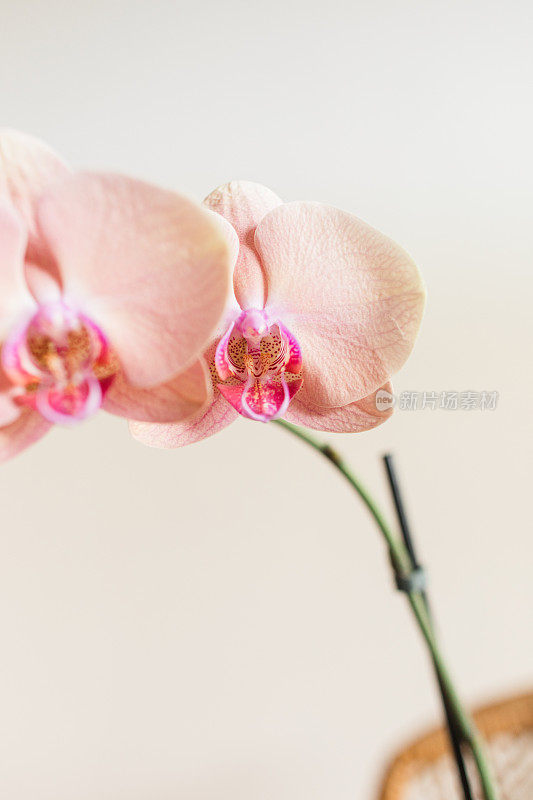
x=418 y=571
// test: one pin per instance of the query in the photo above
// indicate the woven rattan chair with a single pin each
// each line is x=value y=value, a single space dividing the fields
x=425 y=770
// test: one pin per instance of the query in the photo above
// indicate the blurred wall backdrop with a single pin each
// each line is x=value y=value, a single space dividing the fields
x=162 y=635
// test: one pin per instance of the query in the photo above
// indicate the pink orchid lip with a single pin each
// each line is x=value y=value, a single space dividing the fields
x=278 y=404
x=70 y=404
x=258 y=362
x=60 y=363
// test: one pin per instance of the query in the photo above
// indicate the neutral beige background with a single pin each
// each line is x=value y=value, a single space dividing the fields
x=219 y=623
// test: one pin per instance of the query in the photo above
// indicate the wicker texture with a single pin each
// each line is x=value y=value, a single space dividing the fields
x=425 y=770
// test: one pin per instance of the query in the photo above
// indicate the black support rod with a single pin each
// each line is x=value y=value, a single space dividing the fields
x=408 y=540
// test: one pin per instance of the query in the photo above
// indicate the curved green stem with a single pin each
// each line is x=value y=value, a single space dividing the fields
x=402 y=566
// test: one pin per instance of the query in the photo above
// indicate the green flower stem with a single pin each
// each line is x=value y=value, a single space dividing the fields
x=402 y=566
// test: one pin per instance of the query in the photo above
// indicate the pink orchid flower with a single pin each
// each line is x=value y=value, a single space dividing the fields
x=109 y=287
x=325 y=310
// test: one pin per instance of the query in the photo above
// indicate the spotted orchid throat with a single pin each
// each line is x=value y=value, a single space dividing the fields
x=60 y=363
x=258 y=365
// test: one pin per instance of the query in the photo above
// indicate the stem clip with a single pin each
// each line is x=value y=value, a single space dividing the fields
x=415 y=581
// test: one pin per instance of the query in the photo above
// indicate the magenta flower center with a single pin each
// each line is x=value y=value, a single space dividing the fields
x=60 y=362
x=258 y=364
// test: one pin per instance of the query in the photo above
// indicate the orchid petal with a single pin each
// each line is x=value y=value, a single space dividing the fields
x=24 y=431
x=243 y=204
x=44 y=283
x=353 y=298
x=14 y=297
x=27 y=168
x=222 y=364
x=9 y=411
x=233 y=309
x=362 y=415
x=150 y=266
x=178 y=399
x=217 y=416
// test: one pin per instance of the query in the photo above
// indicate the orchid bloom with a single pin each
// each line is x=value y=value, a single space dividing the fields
x=110 y=289
x=325 y=310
